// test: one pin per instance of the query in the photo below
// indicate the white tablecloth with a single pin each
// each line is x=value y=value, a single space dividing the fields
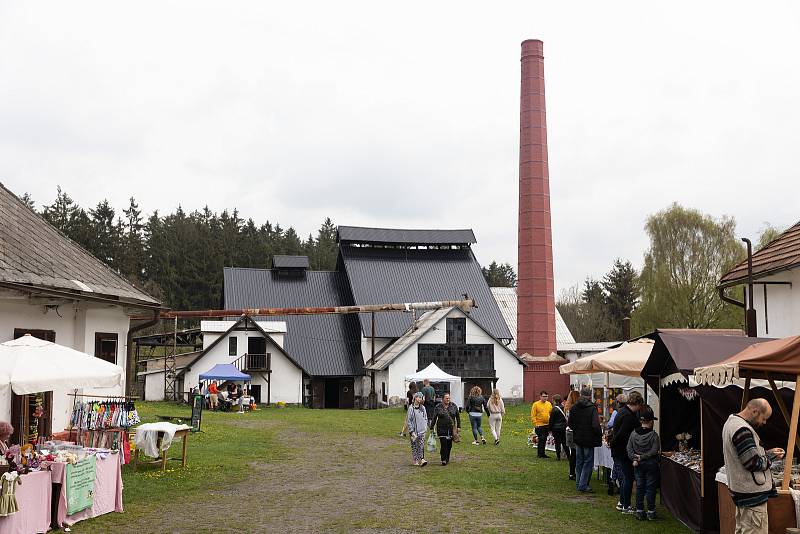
x=602 y=457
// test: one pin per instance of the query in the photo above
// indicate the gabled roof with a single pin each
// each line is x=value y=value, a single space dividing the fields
x=506 y=298
x=248 y=321
x=424 y=325
x=323 y=345
x=33 y=254
x=781 y=254
x=358 y=234
x=389 y=275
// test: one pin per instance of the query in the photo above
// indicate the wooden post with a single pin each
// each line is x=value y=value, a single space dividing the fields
x=746 y=392
x=787 y=469
x=702 y=453
x=782 y=406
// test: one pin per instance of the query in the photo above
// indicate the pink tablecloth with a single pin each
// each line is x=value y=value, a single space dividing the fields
x=33 y=499
x=107 y=490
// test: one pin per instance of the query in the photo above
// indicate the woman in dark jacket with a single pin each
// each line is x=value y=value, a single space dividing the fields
x=625 y=423
x=476 y=405
x=586 y=434
x=558 y=426
x=447 y=423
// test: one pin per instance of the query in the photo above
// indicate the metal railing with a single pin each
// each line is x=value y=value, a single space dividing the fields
x=253 y=362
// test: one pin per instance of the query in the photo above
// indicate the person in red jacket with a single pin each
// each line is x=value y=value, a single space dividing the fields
x=213 y=395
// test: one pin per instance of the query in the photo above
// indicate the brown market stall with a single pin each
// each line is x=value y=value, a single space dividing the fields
x=688 y=491
x=772 y=361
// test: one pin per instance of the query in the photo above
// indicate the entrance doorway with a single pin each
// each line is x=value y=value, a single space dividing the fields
x=484 y=383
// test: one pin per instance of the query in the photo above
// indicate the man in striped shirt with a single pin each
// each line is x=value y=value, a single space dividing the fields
x=747 y=466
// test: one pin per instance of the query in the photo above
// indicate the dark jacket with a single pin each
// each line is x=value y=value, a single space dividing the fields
x=558 y=421
x=444 y=419
x=625 y=423
x=585 y=424
x=644 y=442
x=477 y=404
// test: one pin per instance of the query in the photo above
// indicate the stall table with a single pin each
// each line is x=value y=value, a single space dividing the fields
x=780 y=511
x=107 y=490
x=182 y=432
x=681 y=494
x=33 y=499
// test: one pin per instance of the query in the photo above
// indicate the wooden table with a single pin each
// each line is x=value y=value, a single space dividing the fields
x=183 y=433
x=780 y=511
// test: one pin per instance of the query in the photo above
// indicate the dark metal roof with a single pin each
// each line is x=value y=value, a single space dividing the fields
x=358 y=234
x=323 y=345
x=35 y=254
x=780 y=254
x=289 y=262
x=385 y=275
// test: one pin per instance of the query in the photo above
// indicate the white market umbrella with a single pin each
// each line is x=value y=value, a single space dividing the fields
x=31 y=365
x=628 y=359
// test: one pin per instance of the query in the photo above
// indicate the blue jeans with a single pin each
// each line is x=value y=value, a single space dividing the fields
x=626 y=482
x=475 y=423
x=647 y=476
x=584 y=463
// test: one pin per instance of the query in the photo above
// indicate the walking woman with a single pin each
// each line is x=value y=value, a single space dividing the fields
x=476 y=405
x=558 y=426
x=417 y=423
x=447 y=423
x=496 y=412
x=572 y=398
x=412 y=390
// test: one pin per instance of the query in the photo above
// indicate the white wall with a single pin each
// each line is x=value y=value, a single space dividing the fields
x=75 y=326
x=507 y=367
x=286 y=377
x=782 y=307
x=366 y=346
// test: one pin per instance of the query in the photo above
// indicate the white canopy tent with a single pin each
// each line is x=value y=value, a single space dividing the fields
x=434 y=374
x=31 y=365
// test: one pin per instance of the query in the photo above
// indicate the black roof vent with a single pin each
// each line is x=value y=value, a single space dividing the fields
x=290 y=265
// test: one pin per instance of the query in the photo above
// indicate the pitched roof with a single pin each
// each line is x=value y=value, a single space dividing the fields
x=780 y=254
x=428 y=320
x=358 y=234
x=289 y=262
x=323 y=345
x=35 y=254
x=506 y=298
x=393 y=275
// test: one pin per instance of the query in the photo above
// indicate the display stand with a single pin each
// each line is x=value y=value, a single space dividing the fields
x=182 y=433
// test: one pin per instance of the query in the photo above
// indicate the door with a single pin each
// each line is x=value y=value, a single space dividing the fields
x=256 y=345
x=346 y=394
x=255 y=391
x=484 y=384
x=318 y=393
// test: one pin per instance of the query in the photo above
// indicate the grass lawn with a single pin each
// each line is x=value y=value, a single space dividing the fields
x=300 y=470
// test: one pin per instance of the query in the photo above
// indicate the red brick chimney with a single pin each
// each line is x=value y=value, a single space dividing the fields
x=536 y=318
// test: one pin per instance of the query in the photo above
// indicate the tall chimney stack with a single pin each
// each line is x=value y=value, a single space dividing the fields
x=536 y=319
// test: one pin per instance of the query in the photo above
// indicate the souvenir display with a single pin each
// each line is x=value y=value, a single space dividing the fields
x=689 y=458
x=108 y=414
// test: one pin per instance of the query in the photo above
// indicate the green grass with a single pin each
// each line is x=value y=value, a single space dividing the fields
x=506 y=485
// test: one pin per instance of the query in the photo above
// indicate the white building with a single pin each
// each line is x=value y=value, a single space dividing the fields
x=448 y=335
x=253 y=347
x=53 y=289
x=776 y=290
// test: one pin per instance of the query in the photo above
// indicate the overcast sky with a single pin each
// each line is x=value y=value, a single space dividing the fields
x=407 y=115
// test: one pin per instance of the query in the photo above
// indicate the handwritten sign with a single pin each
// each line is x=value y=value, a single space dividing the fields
x=80 y=484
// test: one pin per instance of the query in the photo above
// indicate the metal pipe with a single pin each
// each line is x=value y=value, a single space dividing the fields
x=750 y=313
x=465 y=304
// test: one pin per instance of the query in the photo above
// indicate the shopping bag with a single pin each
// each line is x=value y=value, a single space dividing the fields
x=431 y=442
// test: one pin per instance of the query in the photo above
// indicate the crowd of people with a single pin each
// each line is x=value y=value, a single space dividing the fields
x=225 y=399
x=576 y=430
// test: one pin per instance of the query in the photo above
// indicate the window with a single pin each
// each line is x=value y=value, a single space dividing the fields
x=232 y=349
x=105 y=346
x=47 y=335
x=457 y=331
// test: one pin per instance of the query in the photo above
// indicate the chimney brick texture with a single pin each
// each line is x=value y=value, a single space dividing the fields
x=536 y=320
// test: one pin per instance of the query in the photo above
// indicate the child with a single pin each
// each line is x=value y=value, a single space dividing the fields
x=644 y=448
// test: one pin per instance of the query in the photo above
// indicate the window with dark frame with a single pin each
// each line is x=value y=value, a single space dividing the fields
x=105 y=346
x=232 y=348
x=47 y=335
x=456 y=331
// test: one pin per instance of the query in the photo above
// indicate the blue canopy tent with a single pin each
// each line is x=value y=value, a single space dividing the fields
x=225 y=371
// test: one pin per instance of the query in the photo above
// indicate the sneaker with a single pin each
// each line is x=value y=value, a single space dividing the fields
x=572 y=477
x=629 y=511
x=497 y=442
x=651 y=516
x=619 y=507
x=640 y=515
x=587 y=490
x=423 y=463
x=444 y=463
x=475 y=443
x=483 y=440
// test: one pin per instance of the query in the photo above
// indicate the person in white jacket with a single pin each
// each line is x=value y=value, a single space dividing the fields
x=496 y=412
x=417 y=423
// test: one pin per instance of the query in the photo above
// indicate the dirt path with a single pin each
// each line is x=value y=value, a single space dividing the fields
x=325 y=486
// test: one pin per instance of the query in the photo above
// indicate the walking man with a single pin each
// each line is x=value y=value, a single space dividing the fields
x=430 y=395
x=540 y=417
x=747 y=466
x=584 y=421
